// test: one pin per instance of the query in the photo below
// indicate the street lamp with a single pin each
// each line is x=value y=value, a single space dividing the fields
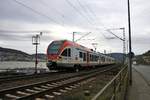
x=36 y=42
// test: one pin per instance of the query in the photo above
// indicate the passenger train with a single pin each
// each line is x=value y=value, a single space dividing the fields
x=64 y=54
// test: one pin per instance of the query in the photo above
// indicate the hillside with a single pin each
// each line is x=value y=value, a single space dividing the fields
x=7 y=54
x=147 y=53
x=144 y=58
x=117 y=56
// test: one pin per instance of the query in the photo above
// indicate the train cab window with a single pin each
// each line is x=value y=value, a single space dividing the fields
x=64 y=53
x=54 y=47
x=69 y=52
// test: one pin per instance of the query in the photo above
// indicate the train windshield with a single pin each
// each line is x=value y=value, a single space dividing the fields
x=54 y=47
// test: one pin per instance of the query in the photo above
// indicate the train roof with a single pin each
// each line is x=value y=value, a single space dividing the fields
x=82 y=47
x=74 y=44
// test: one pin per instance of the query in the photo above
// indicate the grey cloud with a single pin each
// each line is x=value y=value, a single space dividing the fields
x=106 y=13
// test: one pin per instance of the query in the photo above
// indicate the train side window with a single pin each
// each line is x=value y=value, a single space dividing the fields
x=84 y=57
x=80 y=54
x=95 y=58
x=103 y=59
x=64 y=53
x=90 y=57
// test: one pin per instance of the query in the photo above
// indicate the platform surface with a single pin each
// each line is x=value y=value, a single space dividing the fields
x=140 y=89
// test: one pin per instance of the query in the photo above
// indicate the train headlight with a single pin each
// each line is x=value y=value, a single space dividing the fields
x=49 y=63
x=59 y=58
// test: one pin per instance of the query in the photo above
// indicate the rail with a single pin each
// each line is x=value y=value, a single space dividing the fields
x=116 y=88
x=11 y=78
x=40 y=89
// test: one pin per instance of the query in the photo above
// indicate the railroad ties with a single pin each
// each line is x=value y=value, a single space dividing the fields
x=49 y=90
x=38 y=89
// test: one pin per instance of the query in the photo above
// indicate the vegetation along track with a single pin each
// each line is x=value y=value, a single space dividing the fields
x=47 y=88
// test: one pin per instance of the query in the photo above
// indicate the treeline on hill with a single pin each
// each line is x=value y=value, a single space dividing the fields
x=7 y=54
x=144 y=58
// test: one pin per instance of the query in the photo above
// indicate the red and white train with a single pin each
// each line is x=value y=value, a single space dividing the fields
x=64 y=54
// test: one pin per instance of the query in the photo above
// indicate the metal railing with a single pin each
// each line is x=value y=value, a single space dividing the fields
x=116 y=88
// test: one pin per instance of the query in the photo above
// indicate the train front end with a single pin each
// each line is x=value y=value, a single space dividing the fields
x=53 y=51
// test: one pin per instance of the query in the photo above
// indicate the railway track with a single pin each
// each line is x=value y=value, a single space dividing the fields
x=47 y=89
x=23 y=77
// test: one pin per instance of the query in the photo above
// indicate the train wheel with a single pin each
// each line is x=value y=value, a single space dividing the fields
x=76 y=68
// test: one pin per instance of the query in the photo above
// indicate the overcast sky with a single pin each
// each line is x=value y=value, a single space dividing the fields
x=57 y=19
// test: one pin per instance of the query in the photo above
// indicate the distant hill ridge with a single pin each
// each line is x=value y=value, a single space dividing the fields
x=143 y=58
x=147 y=53
x=7 y=54
x=117 y=56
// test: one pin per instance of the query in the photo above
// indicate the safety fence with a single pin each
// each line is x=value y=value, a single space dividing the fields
x=116 y=88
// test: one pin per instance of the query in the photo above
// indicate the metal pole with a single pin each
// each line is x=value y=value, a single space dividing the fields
x=36 y=44
x=36 y=62
x=73 y=36
x=127 y=46
x=124 y=38
x=123 y=49
x=124 y=45
x=130 y=47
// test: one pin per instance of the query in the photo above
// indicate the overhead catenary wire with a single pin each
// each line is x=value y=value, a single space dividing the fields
x=91 y=11
x=35 y=11
x=105 y=29
x=52 y=20
x=87 y=18
x=83 y=36
x=84 y=9
x=24 y=31
x=94 y=16
x=81 y=14
x=115 y=35
x=52 y=8
x=87 y=9
x=56 y=11
x=46 y=16
x=93 y=24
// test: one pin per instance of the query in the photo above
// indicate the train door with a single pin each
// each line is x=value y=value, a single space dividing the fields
x=64 y=56
x=69 y=58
